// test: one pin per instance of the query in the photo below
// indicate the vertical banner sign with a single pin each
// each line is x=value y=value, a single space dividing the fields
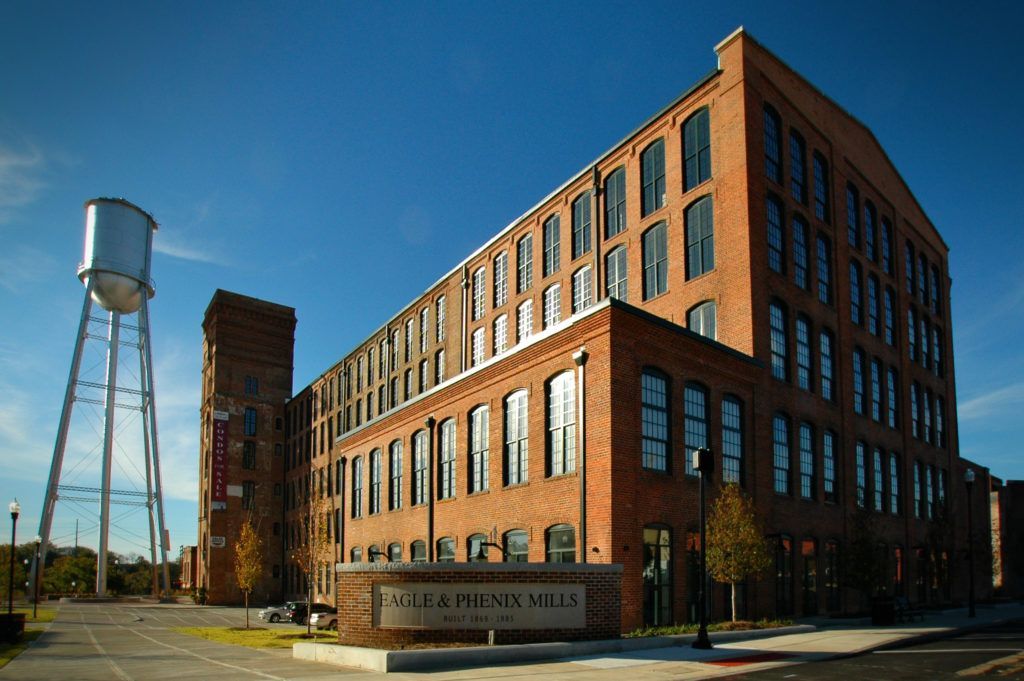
x=219 y=493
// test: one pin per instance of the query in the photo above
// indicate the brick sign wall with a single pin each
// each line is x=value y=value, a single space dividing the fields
x=391 y=605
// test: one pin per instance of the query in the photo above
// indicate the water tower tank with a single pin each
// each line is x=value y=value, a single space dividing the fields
x=118 y=246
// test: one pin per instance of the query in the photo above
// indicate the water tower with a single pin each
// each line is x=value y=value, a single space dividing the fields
x=115 y=272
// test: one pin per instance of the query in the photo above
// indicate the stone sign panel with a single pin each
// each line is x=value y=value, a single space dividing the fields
x=425 y=605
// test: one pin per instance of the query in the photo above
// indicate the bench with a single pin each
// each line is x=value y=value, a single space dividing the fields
x=906 y=612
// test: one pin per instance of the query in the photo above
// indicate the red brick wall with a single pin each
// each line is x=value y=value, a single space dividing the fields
x=355 y=590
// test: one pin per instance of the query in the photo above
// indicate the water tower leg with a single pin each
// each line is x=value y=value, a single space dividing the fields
x=50 y=500
x=144 y=310
x=146 y=397
x=108 y=452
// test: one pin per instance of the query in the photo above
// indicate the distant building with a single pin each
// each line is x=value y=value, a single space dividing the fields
x=1007 y=499
x=188 y=565
x=746 y=271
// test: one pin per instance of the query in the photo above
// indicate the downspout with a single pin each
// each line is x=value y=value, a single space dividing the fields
x=462 y=344
x=580 y=358
x=429 y=423
x=595 y=212
x=340 y=529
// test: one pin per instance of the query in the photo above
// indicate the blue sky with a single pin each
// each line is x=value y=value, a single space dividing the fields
x=339 y=157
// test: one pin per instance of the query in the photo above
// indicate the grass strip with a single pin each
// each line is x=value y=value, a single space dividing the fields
x=256 y=637
x=9 y=651
x=742 y=625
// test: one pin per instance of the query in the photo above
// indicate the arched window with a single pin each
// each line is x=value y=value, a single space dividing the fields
x=779 y=341
x=870 y=222
x=657 y=574
x=615 y=273
x=418 y=551
x=395 y=480
x=873 y=312
x=374 y=554
x=780 y=447
x=517 y=549
x=853 y=216
x=808 y=474
x=552 y=305
x=856 y=300
x=552 y=245
x=477 y=349
x=700 y=238
x=655 y=255
x=776 y=243
x=654 y=416
x=476 y=552
x=652 y=164
x=355 y=555
x=478 y=449
x=772 y=145
x=801 y=264
x=821 y=189
x=375 y=465
x=581 y=225
x=561 y=419
x=804 y=357
x=357 y=487
x=479 y=293
x=615 y=202
x=697 y=149
x=446 y=462
x=524 y=263
x=561 y=544
x=500 y=334
x=695 y=424
x=516 y=438
x=419 y=467
x=445 y=550
x=500 y=279
x=582 y=289
x=797 y=166
x=395 y=553
x=732 y=440
x=524 y=320
x=828 y=466
x=702 y=319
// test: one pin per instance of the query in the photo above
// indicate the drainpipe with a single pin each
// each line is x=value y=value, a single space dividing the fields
x=340 y=529
x=595 y=221
x=580 y=358
x=429 y=423
x=462 y=345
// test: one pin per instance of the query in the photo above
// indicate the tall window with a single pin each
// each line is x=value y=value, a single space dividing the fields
x=615 y=274
x=561 y=544
x=424 y=334
x=420 y=457
x=929 y=491
x=853 y=215
x=912 y=334
x=524 y=264
x=375 y=464
x=797 y=167
x=800 y=265
x=552 y=245
x=885 y=242
x=478 y=449
x=657 y=575
x=888 y=306
x=652 y=164
x=873 y=327
x=702 y=319
x=446 y=479
x=357 y=487
x=423 y=375
x=894 y=484
x=438 y=367
x=803 y=353
x=827 y=365
x=249 y=455
x=248 y=495
x=856 y=299
x=369 y=363
x=732 y=440
x=249 y=424
x=858 y=381
x=500 y=334
x=870 y=220
x=878 y=488
x=654 y=444
x=516 y=439
x=772 y=145
x=780 y=450
x=700 y=238
x=477 y=347
x=479 y=293
x=582 y=289
x=937 y=352
x=581 y=225
x=655 y=253
x=915 y=420
x=500 y=279
x=807 y=456
x=908 y=264
x=252 y=385
x=615 y=203
x=408 y=339
x=561 y=424
x=821 y=188
x=861 y=468
x=776 y=252
x=695 y=422
x=552 y=305
x=935 y=290
x=922 y=278
x=925 y=333
x=779 y=344
x=824 y=269
x=524 y=320
x=697 y=149
x=893 y=395
x=395 y=478
x=940 y=422
x=876 y=390
x=828 y=457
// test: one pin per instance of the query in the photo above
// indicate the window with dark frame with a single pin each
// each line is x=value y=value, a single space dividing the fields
x=697 y=149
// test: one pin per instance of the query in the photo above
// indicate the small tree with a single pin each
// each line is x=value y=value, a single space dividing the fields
x=737 y=548
x=248 y=562
x=865 y=564
x=313 y=550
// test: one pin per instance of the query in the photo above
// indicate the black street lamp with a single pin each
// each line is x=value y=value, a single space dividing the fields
x=704 y=464
x=35 y=576
x=969 y=481
x=15 y=509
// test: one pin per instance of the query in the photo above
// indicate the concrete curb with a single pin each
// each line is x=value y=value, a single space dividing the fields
x=927 y=637
x=449 y=658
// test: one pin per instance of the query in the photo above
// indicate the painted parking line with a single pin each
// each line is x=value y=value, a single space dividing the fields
x=120 y=673
x=205 y=658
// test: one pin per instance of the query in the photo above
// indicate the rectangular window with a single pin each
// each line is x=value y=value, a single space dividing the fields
x=408 y=339
x=869 y=232
x=552 y=245
x=615 y=274
x=893 y=411
x=581 y=225
x=501 y=279
x=800 y=266
x=695 y=423
x=524 y=321
x=876 y=390
x=858 y=381
x=824 y=270
x=439 y=320
x=420 y=455
x=479 y=292
x=856 y=302
x=615 y=203
x=937 y=352
x=780 y=447
x=697 y=149
x=829 y=466
x=940 y=422
x=249 y=424
x=779 y=344
x=908 y=256
x=861 y=464
x=516 y=439
x=395 y=479
x=439 y=367
x=561 y=425
x=879 y=487
x=807 y=457
x=582 y=290
x=655 y=255
x=524 y=264
x=918 y=505
x=772 y=145
x=252 y=385
x=249 y=455
x=654 y=444
x=803 y=353
x=915 y=420
x=776 y=252
x=477 y=344
x=853 y=216
x=935 y=291
x=873 y=327
x=886 y=246
x=375 y=465
x=478 y=450
x=895 y=503
x=821 y=188
x=423 y=385
x=922 y=278
x=248 y=495
x=424 y=335
x=797 y=167
x=888 y=333
x=447 y=476
x=652 y=166
x=912 y=334
x=732 y=441
x=500 y=334
x=827 y=364
x=552 y=305
x=929 y=491
x=700 y=238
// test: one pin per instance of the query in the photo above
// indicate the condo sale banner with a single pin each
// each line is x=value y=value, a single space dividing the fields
x=219 y=467
x=480 y=606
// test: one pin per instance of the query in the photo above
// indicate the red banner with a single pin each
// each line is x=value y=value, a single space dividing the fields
x=219 y=469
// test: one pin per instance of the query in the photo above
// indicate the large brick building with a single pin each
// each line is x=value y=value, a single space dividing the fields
x=747 y=272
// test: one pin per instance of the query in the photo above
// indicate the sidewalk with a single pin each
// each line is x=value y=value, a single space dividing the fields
x=733 y=652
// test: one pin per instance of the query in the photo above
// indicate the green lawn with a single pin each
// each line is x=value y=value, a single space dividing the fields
x=45 y=613
x=257 y=637
x=742 y=625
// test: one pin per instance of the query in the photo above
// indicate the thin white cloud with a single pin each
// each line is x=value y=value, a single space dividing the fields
x=195 y=253
x=20 y=177
x=994 y=403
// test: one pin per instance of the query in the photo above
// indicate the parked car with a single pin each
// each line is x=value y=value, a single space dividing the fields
x=328 y=619
x=299 y=611
x=276 y=613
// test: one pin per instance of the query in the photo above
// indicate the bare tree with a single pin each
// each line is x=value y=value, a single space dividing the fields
x=736 y=544
x=248 y=562
x=313 y=551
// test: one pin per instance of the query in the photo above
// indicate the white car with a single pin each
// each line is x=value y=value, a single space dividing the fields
x=276 y=613
x=325 y=620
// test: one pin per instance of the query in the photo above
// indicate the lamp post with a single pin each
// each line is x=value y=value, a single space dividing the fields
x=969 y=481
x=15 y=509
x=704 y=464
x=35 y=576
